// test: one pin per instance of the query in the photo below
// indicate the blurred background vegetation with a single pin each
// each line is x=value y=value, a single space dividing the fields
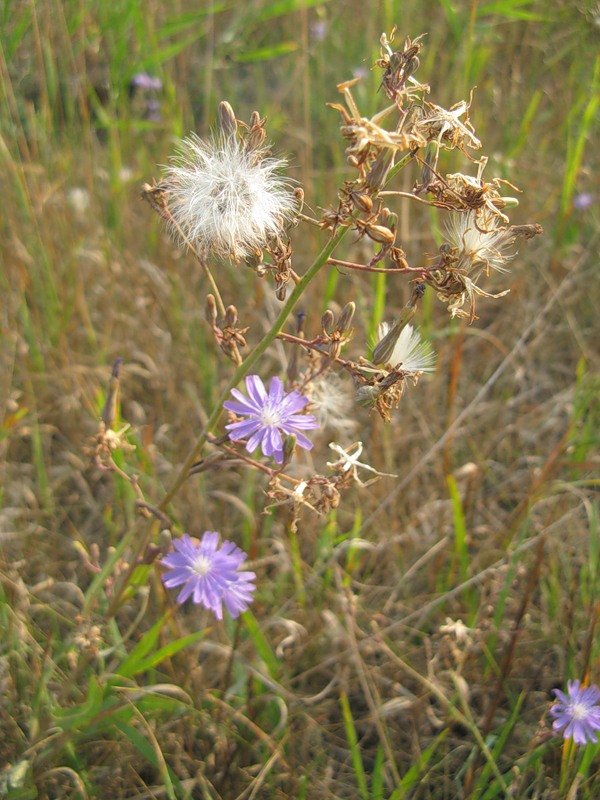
x=493 y=518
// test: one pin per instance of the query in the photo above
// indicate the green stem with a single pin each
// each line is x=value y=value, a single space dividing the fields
x=249 y=362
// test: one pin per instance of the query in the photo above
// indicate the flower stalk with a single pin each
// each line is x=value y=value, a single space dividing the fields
x=252 y=358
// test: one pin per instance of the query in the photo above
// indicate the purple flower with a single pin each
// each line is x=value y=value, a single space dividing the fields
x=583 y=201
x=268 y=416
x=318 y=30
x=578 y=713
x=143 y=81
x=209 y=574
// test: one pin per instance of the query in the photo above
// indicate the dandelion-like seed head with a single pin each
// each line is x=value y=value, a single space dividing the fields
x=479 y=242
x=226 y=195
x=268 y=416
x=410 y=353
x=577 y=713
x=210 y=574
x=332 y=403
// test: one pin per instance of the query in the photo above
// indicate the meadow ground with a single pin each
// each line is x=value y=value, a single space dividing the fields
x=405 y=642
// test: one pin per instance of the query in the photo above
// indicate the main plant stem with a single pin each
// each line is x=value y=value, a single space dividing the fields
x=251 y=360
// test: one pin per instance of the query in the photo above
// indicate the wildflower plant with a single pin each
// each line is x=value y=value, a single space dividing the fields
x=227 y=197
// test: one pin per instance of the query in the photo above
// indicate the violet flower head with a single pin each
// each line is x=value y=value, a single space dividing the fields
x=210 y=574
x=268 y=416
x=577 y=714
x=143 y=81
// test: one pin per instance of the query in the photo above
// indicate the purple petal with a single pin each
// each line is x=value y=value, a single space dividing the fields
x=276 y=392
x=255 y=440
x=239 y=430
x=242 y=409
x=256 y=390
x=304 y=421
x=272 y=442
x=293 y=402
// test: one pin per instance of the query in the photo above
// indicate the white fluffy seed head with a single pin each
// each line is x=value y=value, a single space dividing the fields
x=412 y=354
x=227 y=198
x=478 y=241
x=332 y=404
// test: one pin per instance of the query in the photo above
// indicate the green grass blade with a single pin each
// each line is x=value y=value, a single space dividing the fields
x=357 y=763
x=263 y=648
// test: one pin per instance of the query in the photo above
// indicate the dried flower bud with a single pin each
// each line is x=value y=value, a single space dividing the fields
x=362 y=202
x=367 y=396
x=257 y=135
x=344 y=322
x=165 y=540
x=380 y=234
x=328 y=321
x=389 y=219
x=231 y=316
x=211 y=309
x=227 y=120
x=281 y=292
x=398 y=257
x=526 y=231
x=255 y=261
x=109 y=410
x=335 y=348
x=429 y=164
x=502 y=203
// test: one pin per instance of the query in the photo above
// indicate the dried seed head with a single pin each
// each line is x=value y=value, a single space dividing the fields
x=225 y=197
x=331 y=402
x=405 y=350
x=478 y=242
